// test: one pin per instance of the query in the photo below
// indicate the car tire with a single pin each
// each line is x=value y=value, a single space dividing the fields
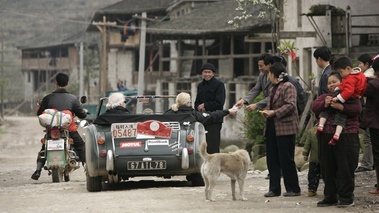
x=94 y=184
x=196 y=179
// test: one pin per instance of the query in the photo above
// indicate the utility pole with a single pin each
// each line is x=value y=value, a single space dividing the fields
x=102 y=28
x=81 y=71
x=2 y=81
x=141 y=65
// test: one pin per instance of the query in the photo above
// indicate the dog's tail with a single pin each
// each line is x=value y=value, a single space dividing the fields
x=203 y=150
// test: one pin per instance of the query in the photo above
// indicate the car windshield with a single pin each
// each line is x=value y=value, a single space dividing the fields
x=144 y=104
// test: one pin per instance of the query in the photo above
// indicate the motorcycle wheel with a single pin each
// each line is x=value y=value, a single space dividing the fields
x=57 y=175
x=67 y=176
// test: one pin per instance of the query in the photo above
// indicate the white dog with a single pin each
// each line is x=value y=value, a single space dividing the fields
x=234 y=165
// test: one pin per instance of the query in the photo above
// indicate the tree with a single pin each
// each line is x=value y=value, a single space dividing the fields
x=270 y=5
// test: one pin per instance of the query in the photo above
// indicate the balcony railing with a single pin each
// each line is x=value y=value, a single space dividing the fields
x=45 y=64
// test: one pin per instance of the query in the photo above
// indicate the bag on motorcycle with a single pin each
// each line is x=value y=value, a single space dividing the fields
x=54 y=118
x=72 y=127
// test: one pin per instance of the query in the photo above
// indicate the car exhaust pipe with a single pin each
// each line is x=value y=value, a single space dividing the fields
x=185 y=159
x=109 y=163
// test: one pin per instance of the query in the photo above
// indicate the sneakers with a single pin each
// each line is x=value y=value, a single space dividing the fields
x=271 y=194
x=362 y=169
x=291 y=194
x=325 y=203
x=345 y=204
x=312 y=193
x=36 y=174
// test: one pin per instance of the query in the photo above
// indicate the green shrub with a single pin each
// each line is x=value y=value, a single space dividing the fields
x=253 y=125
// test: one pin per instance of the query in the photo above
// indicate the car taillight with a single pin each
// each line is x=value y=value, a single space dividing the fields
x=190 y=137
x=100 y=138
x=103 y=153
x=101 y=141
x=54 y=133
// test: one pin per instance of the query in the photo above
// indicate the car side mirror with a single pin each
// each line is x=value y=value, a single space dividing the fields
x=83 y=123
x=83 y=99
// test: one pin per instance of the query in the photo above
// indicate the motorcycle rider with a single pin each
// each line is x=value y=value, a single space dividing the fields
x=61 y=100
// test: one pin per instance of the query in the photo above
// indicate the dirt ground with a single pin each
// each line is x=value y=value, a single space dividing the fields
x=19 y=143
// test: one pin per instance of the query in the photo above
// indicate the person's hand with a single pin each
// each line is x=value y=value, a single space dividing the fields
x=337 y=105
x=233 y=111
x=201 y=108
x=240 y=103
x=335 y=99
x=251 y=107
x=267 y=113
x=306 y=158
x=328 y=101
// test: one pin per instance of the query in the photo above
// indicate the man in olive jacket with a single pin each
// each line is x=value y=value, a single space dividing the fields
x=310 y=153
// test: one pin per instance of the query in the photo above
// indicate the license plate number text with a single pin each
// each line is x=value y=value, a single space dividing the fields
x=55 y=144
x=124 y=130
x=146 y=165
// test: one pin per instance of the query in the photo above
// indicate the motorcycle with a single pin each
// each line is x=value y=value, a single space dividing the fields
x=57 y=153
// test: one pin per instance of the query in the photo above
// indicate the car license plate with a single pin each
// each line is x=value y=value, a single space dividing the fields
x=147 y=165
x=124 y=130
x=55 y=144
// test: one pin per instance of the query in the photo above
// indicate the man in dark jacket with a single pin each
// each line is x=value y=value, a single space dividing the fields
x=61 y=100
x=210 y=97
x=322 y=56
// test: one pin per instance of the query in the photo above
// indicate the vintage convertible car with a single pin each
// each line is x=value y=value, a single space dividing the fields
x=142 y=144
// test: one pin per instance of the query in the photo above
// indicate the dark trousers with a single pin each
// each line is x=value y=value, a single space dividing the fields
x=338 y=164
x=374 y=135
x=79 y=145
x=213 y=137
x=280 y=152
x=313 y=176
x=340 y=118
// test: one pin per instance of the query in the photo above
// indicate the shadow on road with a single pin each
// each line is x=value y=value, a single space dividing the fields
x=127 y=185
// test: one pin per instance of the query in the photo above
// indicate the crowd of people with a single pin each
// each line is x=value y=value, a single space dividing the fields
x=346 y=103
